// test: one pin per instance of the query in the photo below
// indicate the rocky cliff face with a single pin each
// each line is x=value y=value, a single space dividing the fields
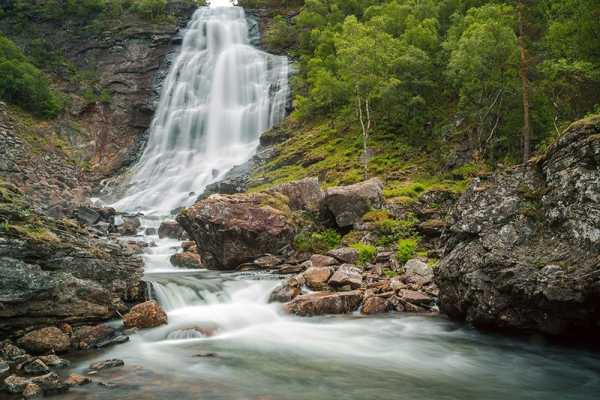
x=523 y=249
x=55 y=271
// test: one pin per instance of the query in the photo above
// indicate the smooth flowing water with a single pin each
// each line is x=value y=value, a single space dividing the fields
x=223 y=339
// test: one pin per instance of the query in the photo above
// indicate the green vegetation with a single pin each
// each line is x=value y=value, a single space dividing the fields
x=388 y=229
x=317 y=242
x=502 y=77
x=406 y=249
x=23 y=84
x=366 y=253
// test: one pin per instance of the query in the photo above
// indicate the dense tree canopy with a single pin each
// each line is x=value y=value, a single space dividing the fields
x=477 y=69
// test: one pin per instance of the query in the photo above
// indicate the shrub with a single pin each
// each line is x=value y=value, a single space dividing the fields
x=366 y=253
x=317 y=242
x=406 y=249
x=150 y=9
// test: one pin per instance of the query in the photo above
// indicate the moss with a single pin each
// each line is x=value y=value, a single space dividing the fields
x=317 y=242
x=366 y=253
x=406 y=249
x=388 y=229
x=389 y=273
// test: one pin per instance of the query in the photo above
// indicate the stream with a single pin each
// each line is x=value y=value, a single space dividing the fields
x=224 y=340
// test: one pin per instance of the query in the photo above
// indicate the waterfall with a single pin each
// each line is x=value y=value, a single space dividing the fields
x=219 y=96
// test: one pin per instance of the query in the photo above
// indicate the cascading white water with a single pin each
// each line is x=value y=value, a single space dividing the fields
x=219 y=96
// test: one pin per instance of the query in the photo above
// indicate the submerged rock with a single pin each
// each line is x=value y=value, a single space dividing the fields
x=231 y=230
x=106 y=364
x=524 y=246
x=187 y=259
x=320 y=303
x=145 y=315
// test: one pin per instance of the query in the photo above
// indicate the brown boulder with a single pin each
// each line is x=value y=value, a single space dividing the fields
x=145 y=315
x=347 y=255
x=231 y=230
x=32 y=391
x=347 y=204
x=347 y=274
x=416 y=298
x=374 y=305
x=316 y=277
x=284 y=293
x=45 y=340
x=320 y=303
x=186 y=260
x=171 y=230
x=319 y=260
x=87 y=337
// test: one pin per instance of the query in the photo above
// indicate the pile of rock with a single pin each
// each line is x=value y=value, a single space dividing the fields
x=332 y=284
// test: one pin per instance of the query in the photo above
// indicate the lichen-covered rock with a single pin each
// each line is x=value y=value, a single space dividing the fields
x=524 y=246
x=347 y=204
x=45 y=340
x=231 y=230
x=145 y=315
x=304 y=194
x=320 y=303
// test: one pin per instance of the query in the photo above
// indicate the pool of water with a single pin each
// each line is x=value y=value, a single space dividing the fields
x=258 y=352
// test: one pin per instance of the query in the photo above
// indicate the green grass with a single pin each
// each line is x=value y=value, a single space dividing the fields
x=406 y=249
x=317 y=242
x=366 y=253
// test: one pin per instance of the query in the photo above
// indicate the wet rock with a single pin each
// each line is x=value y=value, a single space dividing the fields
x=50 y=383
x=347 y=274
x=36 y=367
x=45 y=340
x=10 y=352
x=145 y=315
x=130 y=226
x=189 y=245
x=5 y=368
x=207 y=355
x=347 y=204
x=87 y=337
x=106 y=364
x=231 y=230
x=268 y=261
x=151 y=231
x=54 y=361
x=77 y=380
x=320 y=303
x=303 y=195
x=118 y=339
x=347 y=255
x=15 y=384
x=284 y=293
x=318 y=260
x=32 y=391
x=186 y=260
x=171 y=230
x=420 y=269
x=506 y=230
x=374 y=305
x=316 y=277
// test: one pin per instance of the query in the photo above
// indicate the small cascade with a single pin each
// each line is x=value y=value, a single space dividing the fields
x=219 y=96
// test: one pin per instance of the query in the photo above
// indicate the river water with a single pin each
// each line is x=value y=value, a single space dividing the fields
x=223 y=339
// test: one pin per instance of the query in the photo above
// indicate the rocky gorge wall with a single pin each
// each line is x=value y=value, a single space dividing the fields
x=523 y=247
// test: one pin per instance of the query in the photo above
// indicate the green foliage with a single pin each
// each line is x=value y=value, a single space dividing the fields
x=406 y=249
x=317 y=242
x=366 y=253
x=150 y=9
x=388 y=229
x=23 y=84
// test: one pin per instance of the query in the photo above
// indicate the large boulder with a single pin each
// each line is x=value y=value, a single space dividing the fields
x=171 y=230
x=234 y=229
x=347 y=204
x=145 y=315
x=320 y=303
x=303 y=195
x=524 y=246
x=347 y=275
x=316 y=277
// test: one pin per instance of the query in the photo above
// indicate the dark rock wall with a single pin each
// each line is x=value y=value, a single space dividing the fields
x=523 y=247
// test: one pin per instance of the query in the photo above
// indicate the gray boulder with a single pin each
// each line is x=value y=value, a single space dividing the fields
x=347 y=204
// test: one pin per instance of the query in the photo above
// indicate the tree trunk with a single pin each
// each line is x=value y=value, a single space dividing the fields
x=366 y=126
x=524 y=72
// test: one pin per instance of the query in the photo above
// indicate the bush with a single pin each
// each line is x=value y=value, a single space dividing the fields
x=150 y=9
x=366 y=253
x=406 y=249
x=317 y=242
